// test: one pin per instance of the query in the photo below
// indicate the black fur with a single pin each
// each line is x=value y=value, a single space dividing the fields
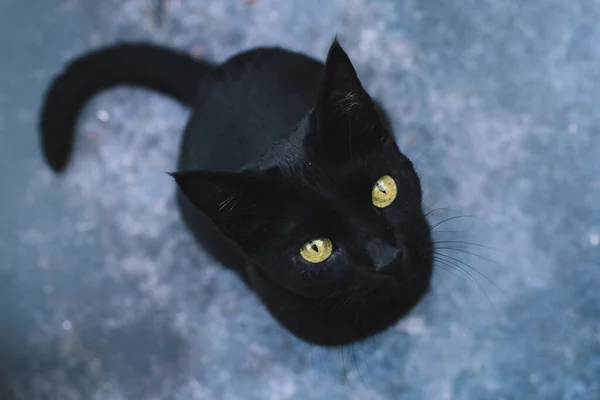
x=280 y=149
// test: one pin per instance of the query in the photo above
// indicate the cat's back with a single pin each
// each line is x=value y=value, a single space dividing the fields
x=245 y=105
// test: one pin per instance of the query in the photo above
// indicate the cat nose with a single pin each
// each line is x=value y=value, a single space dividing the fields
x=382 y=254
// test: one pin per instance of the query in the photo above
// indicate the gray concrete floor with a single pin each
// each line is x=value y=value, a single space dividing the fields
x=103 y=294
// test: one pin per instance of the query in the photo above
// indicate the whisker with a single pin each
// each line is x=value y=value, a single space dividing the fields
x=356 y=362
x=471 y=268
x=469 y=277
x=449 y=269
x=374 y=344
x=421 y=155
x=458 y=269
x=452 y=269
x=340 y=292
x=357 y=319
x=362 y=345
x=431 y=212
x=432 y=205
x=470 y=253
x=340 y=305
x=449 y=231
x=469 y=243
x=344 y=364
x=225 y=202
x=431 y=228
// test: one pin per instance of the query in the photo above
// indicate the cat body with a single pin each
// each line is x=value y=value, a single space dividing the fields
x=289 y=173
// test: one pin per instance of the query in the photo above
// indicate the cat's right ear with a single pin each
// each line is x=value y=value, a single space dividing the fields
x=342 y=93
x=344 y=119
x=236 y=202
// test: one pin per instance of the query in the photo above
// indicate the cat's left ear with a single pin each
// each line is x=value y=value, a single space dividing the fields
x=344 y=110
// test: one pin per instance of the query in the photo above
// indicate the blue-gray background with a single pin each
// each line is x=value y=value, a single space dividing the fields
x=103 y=294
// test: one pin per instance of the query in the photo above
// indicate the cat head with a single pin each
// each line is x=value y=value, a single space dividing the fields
x=339 y=207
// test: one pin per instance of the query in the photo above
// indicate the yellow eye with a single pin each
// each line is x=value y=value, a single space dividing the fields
x=384 y=192
x=316 y=250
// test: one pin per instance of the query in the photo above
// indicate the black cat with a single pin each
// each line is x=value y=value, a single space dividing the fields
x=289 y=173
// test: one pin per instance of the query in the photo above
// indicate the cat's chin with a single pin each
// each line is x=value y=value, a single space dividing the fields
x=340 y=320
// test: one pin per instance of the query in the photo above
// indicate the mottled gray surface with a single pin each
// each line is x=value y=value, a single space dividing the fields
x=103 y=294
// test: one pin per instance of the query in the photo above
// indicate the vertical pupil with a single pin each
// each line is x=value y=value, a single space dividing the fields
x=314 y=247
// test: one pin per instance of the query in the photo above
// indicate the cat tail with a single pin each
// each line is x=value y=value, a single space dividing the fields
x=165 y=70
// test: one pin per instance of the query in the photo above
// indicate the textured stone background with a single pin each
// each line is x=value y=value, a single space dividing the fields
x=103 y=294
